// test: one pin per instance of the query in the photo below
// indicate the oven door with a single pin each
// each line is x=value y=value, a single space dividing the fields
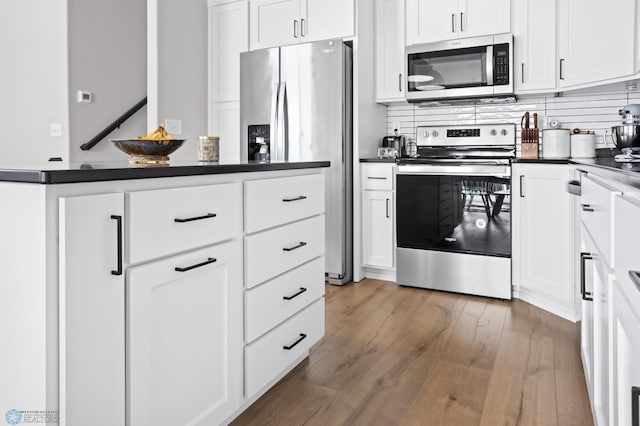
x=454 y=228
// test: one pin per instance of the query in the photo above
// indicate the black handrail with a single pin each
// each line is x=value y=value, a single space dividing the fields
x=115 y=125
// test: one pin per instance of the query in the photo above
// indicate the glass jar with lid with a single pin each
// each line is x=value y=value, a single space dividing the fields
x=208 y=148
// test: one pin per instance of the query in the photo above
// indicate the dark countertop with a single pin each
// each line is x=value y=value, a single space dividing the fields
x=52 y=172
x=377 y=160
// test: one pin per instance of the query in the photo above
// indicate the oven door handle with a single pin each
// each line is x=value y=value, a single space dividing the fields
x=455 y=170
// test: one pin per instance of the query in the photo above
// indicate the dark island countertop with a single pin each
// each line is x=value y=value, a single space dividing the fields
x=57 y=173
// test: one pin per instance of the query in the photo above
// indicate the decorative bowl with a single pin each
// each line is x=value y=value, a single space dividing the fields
x=147 y=147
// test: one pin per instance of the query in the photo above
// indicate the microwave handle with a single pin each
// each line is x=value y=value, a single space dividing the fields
x=489 y=65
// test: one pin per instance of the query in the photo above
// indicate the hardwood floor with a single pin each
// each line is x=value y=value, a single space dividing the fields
x=393 y=355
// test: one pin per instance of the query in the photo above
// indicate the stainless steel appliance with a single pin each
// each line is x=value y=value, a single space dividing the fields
x=301 y=98
x=480 y=68
x=453 y=210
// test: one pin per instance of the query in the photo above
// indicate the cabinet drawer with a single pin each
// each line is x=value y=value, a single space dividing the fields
x=273 y=202
x=168 y=221
x=597 y=206
x=267 y=357
x=271 y=303
x=377 y=176
x=278 y=250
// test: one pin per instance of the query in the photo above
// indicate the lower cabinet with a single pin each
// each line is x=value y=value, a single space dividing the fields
x=378 y=229
x=184 y=336
x=92 y=304
x=543 y=237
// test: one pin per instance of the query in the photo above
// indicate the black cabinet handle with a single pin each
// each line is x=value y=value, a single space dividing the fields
x=188 y=268
x=587 y=208
x=561 y=69
x=521 y=186
x=588 y=296
x=191 y=219
x=635 y=278
x=291 y=346
x=376 y=177
x=297 y=246
x=293 y=296
x=574 y=187
x=289 y=200
x=118 y=220
x=387 y=206
x=635 y=406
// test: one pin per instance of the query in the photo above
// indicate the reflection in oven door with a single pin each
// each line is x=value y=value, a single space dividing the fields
x=466 y=214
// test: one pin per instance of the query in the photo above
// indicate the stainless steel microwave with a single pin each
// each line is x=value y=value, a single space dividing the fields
x=479 y=67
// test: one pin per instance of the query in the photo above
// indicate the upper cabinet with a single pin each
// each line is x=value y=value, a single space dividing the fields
x=283 y=22
x=596 y=40
x=389 y=31
x=534 y=32
x=434 y=20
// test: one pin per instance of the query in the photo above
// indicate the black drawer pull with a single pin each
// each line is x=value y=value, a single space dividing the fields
x=291 y=346
x=188 y=268
x=587 y=208
x=300 y=244
x=293 y=296
x=376 y=177
x=118 y=220
x=289 y=200
x=635 y=278
x=635 y=406
x=586 y=295
x=191 y=219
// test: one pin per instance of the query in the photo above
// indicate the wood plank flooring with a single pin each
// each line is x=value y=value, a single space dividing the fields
x=393 y=355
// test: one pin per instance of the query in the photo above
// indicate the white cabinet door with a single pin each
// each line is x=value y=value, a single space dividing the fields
x=543 y=235
x=483 y=17
x=92 y=339
x=185 y=338
x=587 y=250
x=600 y=39
x=601 y=343
x=389 y=32
x=431 y=20
x=325 y=19
x=534 y=33
x=274 y=23
x=226 y=125
x=228 y=36
x=378 y=229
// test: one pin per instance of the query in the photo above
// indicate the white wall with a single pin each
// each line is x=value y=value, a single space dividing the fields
x=33 y=82
x=178 y=69
x=108 y=57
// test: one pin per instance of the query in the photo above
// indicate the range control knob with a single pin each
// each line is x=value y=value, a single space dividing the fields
x=434 y=133
x=503 y=132
x=426 y=133
x=493 y=132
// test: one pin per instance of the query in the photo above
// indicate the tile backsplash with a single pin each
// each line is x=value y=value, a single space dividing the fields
x=597 y=112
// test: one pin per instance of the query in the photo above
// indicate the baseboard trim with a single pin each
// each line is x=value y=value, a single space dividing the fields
x=380 y=274
x=561 y=309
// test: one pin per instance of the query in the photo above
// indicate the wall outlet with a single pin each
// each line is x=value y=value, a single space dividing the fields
x=84 y=97
x=173 y=127
x=55 y=129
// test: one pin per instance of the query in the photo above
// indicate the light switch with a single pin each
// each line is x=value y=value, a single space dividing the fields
x=84 y=97
x=55 y=129
x=173 y=127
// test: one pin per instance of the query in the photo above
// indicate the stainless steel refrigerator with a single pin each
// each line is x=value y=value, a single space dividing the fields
x=299 y=98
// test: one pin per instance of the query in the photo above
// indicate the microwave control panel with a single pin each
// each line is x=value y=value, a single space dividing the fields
x=501 y=64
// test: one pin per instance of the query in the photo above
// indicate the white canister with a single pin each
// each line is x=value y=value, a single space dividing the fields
x=556 y=143
x=583 y=145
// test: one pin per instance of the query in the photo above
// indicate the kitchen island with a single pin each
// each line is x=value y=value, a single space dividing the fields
x=157 y=295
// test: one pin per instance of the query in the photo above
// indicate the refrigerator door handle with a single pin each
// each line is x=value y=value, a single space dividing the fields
x=273 y=126
x=279 y=154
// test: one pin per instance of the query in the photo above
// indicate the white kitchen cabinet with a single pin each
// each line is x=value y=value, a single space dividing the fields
x=378 y=215
x=389 y=31
x=378 y=231
x=596 y=40
x=534 y=32
x=185 y=337
x=283 y=22
x=430 y=21
x=228 y=37
x=92 y=303
x=626 y=312
x=586 y=294
x=543 y=237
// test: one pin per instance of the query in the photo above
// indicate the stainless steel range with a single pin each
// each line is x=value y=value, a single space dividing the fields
x=454 y=210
